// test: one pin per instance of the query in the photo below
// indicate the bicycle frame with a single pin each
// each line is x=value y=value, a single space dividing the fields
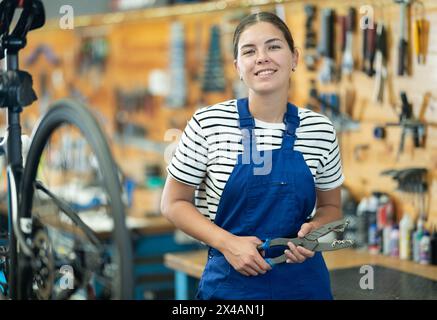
x=32 y=17
x=24 y=256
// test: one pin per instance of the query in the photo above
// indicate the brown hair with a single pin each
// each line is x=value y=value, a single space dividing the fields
x=262 y=17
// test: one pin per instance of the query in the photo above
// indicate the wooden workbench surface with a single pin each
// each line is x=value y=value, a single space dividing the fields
x=154 y=225
x=192 y=263
x=143 y=225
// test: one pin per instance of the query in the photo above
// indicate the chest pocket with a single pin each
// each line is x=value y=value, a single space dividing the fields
x=272 y=209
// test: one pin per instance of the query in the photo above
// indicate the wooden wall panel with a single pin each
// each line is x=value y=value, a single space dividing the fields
x=362 y=170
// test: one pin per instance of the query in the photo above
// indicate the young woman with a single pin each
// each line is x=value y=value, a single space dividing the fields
x=257 y=168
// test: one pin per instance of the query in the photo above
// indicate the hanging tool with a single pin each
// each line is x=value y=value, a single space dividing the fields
x=327 y=46
x=213 y=74
x=178 y=78
x=329 y=105
x=409 y=179
x=410 y=125
x=342 y=22
x=403 y=59
x=313 y=97
x=310 y=38
x=370 y=50
x=364 y=45
x=310 y=241
x=381 y=62
x=348 y=59
x=421 y=33
x=47 y=52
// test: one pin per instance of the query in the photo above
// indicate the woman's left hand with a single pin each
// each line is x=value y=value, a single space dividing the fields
x=298 y=254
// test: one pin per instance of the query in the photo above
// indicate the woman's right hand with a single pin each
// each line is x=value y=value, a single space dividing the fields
x=243 y=255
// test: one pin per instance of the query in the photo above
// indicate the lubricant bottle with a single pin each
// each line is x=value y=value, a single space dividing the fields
x=405 y=227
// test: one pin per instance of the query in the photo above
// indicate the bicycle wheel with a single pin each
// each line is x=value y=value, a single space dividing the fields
x=71 y=190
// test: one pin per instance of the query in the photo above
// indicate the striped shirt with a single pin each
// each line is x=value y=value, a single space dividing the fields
x=207 y=151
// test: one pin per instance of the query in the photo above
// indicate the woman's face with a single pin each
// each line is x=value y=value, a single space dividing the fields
x=264 y=59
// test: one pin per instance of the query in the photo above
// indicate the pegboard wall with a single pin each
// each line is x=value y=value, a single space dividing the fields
x=137 y=46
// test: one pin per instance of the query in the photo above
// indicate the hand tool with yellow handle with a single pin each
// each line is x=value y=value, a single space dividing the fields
x=421 y=29
x=420 y=32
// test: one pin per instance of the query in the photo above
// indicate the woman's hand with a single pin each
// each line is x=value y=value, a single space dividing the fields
x=243 y=255
x=298 y=254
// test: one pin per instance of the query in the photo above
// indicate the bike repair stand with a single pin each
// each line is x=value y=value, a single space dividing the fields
x=15 y=93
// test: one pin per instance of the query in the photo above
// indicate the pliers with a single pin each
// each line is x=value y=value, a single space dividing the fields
x=310 y=241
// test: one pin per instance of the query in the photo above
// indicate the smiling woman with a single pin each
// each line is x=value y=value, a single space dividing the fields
x=257 y=168
x=265 y=56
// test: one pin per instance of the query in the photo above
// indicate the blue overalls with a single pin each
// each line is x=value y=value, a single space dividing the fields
x=266 y=206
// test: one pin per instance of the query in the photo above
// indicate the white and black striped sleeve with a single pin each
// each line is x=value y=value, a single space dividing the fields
x=189 y=162
x=329 y=173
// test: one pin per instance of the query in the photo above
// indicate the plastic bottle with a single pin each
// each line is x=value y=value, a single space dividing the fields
x=373 y=239
x=372 y=207
x=405 y=227
x=417 y=236
x=362 y=226
x=424 y=248
x=394 y=242
x=387 y=244
x=382 y=215
x=433 y=248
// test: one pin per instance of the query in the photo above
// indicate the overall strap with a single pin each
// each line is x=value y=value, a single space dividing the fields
x=246 y=123
x=292 y=121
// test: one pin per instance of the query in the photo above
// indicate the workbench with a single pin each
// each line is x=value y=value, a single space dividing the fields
x=188 y=266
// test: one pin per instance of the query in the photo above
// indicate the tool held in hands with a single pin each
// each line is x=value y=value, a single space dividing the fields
x=310 y=241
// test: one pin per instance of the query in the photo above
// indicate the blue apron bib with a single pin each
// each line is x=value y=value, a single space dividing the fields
x=272 y=204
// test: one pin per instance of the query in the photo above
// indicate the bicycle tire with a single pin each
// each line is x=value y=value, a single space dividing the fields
x=70 y=112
